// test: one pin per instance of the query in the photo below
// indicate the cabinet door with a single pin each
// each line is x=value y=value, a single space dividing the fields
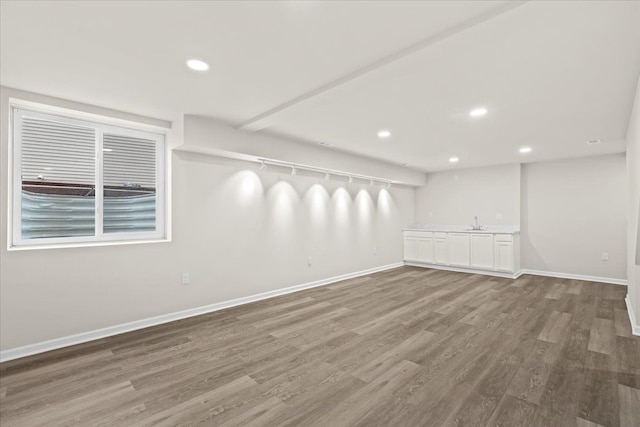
x=440 y=250
x=458 y=249
x=425 y=251
x=410 y=249
x=504 y=256
x=482 y=251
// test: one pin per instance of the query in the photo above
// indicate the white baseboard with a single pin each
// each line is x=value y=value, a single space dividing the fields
x=520 y=273
x=41 y=347
x=635 y=327
x=464 y=270
x=575 y=276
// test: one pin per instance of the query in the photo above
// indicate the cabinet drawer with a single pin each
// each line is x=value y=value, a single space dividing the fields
x=418 y=234
x=440 y=235
x=503 y=238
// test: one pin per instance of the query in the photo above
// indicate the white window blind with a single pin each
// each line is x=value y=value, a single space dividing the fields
x=129 y=161
x=57 y=152
x=82 y=181
x=129 y=183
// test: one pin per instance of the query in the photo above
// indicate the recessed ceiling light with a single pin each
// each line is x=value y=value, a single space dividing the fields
x=594 y=141
x=197 y=65
x=525 y=150
x=477 y=112
x=384 y=133
x=453 y=159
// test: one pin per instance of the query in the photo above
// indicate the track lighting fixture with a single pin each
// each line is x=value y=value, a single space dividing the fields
x=264 y=163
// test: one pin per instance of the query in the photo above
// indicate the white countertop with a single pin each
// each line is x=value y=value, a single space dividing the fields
x=489 y=229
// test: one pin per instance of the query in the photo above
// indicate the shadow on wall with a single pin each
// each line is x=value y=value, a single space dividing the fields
x=638 y=239
x=529 y=253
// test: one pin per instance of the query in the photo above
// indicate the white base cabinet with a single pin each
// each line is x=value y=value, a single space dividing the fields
x=425 y=250
x=410 y=249
x=440 y=248
x=419 y=247
x=503 y=250
x=482 y=249
x=458 y=249
x=468 y=250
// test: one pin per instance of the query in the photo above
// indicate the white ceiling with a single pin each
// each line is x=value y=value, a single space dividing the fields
x=552 y=74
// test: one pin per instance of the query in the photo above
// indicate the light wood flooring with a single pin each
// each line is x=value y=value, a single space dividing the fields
x=405 y=347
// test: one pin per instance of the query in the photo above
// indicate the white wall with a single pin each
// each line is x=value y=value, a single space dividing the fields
x=455 y=197
x=237 y=231
x=572 y=212
x=633 y=230
x=569 y=211
x=202 y=131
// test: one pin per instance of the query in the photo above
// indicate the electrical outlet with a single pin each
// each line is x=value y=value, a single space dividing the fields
x=605 y=256
x=185 y=279
x=375 y=250
x=309 y=261
x=499 y=217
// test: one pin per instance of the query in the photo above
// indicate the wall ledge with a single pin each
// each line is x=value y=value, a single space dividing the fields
x=57 y=343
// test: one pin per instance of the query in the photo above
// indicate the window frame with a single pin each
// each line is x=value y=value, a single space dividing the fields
x=101 y=125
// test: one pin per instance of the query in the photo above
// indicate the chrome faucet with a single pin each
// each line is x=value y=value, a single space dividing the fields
x=476 y=226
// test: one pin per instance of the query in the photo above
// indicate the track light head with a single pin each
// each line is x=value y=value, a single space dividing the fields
x=265 y=163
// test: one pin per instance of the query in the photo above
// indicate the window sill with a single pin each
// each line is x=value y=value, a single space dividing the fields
x=86 y=244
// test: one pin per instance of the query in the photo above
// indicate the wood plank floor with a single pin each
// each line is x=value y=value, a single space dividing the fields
x=405 y=347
